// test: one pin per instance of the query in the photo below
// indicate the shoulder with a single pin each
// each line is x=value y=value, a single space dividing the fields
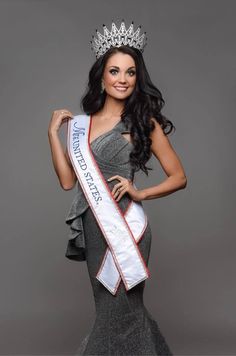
x=157 y=128
x=160 y=142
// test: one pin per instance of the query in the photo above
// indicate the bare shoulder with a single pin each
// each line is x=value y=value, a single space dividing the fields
x=158 y=129
x=160 y=142
x=158 y=135
x=165 y=153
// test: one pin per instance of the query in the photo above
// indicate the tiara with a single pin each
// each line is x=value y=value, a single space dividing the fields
x=118 y=37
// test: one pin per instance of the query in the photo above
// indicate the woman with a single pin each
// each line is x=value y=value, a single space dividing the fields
x=123 y=127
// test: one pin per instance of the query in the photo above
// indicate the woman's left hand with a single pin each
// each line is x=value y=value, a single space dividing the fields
x=125 y=186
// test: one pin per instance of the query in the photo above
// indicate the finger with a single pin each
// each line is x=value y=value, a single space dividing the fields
x=121 y=193
x=116 y=194
x=115 y=177
x=120 y=188
x=116 y=186
x=65 y=112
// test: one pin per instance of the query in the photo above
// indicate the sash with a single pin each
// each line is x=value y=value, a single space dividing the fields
x=122 y=259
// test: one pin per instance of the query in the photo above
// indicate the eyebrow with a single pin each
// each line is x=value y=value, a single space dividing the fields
x=118 y=67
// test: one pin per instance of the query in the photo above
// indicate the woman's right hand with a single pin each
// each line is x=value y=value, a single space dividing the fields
x=58 y=118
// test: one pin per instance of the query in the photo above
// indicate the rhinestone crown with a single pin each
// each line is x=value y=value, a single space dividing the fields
x=118 y=37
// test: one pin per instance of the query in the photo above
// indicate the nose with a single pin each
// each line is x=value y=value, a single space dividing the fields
x=122 y=78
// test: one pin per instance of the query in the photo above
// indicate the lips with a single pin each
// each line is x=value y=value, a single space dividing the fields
x=120 y=88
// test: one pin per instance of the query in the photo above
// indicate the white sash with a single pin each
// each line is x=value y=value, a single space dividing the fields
x=122 y=232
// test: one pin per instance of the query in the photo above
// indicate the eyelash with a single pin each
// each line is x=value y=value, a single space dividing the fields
x=115 y=70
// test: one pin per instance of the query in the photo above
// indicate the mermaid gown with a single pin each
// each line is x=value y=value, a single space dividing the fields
x=122 y=325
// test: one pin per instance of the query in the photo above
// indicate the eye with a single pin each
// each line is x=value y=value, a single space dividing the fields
x=132 y=72
x=113 y=70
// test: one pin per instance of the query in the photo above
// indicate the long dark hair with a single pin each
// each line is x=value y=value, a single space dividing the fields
x=144 y=103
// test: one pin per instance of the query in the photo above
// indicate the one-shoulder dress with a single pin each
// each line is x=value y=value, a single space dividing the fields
x=123 y=325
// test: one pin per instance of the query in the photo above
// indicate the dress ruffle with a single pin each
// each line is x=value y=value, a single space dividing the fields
x=76 y=244
x=122 y=325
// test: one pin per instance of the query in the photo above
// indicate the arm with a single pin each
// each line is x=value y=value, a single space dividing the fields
x=170 y=163
x=61 y=160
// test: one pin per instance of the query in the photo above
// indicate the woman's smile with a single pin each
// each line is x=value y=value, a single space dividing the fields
x=121 y=88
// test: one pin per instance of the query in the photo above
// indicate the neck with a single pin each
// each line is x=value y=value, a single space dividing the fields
x=112 y=107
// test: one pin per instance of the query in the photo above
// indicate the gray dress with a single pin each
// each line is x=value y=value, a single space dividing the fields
x=123 y=325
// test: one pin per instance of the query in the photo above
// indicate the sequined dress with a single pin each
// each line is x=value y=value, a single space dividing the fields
x=123 y=325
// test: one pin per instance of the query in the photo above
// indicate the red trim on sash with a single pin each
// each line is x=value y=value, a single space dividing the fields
x=107 y=250
x=115 y=203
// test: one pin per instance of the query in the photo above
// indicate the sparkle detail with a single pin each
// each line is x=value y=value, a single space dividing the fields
x=118 y=37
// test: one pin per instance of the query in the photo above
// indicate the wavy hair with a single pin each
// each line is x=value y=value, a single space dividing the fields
x=144 y=103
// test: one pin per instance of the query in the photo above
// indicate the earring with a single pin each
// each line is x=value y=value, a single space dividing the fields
x=102 y=87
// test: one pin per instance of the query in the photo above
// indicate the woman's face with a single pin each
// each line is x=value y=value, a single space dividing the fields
x=119 y=75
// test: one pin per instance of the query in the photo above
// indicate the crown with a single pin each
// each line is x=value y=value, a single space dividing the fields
x=118 y=37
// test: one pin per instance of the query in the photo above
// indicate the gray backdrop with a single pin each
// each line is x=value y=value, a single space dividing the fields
x=46 y=300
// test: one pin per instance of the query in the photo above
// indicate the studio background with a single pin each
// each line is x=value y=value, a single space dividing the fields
x=46 y=302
